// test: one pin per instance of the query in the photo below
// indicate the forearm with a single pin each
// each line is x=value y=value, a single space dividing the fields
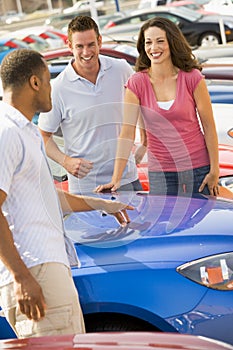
x=9 y=254
x=124 y=147
x=52 y=149
x=127 y=136
x=205 y=111
x=140 y=153
x=54 y=152
x=143 y=136
x=212 y=147
x=77 y=203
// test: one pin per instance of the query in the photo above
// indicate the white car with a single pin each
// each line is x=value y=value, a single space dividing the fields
x=222 y=7
x=84 y=5
x=224 y=122
x=145 y=4
x=54 y=41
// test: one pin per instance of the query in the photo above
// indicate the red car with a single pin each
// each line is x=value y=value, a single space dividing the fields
x=225 y=177
x=117 y=341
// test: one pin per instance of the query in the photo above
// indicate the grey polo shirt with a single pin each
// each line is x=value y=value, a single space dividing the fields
x=90 y=116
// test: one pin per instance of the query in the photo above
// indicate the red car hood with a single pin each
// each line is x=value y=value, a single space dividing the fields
x=226 y=160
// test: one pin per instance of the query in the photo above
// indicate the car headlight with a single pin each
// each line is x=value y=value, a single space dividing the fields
x=226 y=181
x=214 y=272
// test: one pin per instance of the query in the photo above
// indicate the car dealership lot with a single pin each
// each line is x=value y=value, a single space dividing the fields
x=171 y=269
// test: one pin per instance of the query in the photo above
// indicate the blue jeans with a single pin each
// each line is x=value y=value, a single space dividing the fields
x=178 y=183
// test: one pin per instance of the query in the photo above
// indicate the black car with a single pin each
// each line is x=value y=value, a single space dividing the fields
x=197 y=28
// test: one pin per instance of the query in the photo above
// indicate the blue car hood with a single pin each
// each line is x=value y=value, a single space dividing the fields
x=161 y=229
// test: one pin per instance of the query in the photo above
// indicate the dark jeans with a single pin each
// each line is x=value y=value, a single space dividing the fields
x=132 y=186
x=178 y=183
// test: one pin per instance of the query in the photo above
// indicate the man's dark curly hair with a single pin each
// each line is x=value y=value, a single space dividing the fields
x=181 y=52
x=81 y=24
x=19 y=65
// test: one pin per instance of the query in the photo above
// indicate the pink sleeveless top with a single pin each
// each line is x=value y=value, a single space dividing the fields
x=175 y=140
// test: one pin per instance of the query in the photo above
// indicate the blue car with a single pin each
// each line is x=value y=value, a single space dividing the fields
x=221 y=91
x=169 y=270
x=9 y=44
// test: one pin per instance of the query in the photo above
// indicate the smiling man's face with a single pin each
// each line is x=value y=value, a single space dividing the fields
x=85 y=47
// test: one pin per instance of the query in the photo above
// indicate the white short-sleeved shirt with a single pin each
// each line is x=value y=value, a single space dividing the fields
x=91 y=116
x=31 y=207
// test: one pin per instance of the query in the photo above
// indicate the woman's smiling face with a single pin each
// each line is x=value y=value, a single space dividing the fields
x=156 y=45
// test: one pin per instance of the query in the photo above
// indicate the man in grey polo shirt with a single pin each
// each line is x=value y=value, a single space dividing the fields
x=87 y=100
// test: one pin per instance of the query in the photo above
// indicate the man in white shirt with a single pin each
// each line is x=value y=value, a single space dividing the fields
x=38 y=295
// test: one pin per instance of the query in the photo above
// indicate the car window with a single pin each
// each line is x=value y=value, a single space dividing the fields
x=135 y=20
x=19 y=43
x=130 y=50
x=193 y=7
x=172 y=18
x=147 y=16
x=51 y=35
x=4 y=48
x=188 y=14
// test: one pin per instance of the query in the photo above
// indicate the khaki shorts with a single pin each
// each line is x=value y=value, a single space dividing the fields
x=63 y=314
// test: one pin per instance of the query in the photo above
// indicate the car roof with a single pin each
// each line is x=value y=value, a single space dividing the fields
x=179 y=11
x=216 y=51
x=5 y=39
x=117 y=341
x=183 y=3
x=221 y=72
x=15 y=40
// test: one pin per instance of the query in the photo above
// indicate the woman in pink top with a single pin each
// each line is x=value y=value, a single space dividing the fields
x=168 y=97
